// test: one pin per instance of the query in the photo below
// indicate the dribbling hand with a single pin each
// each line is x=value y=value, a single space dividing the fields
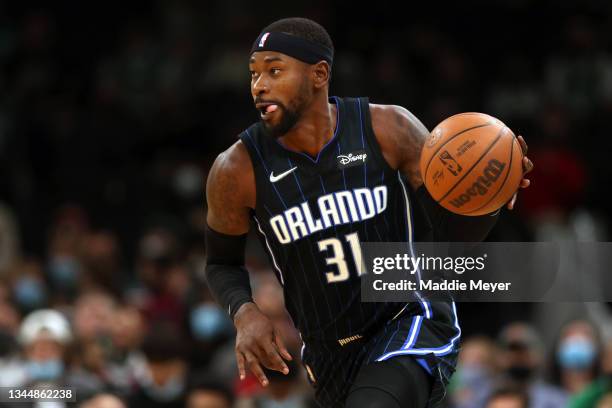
x=527 y=167
x=258 y=343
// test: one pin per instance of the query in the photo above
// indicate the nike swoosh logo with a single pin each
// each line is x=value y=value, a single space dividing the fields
x=274 y=178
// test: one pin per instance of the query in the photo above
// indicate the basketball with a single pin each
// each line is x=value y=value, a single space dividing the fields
x=471 y=164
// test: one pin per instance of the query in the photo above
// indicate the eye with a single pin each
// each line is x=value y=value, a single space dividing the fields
x=275 y=71
x=253 y=74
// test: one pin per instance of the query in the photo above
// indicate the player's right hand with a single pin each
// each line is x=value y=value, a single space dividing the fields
x=258 y=343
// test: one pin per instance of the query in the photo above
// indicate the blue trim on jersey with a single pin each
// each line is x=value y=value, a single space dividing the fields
x=426 y=306
x=413 y=333
x=296 y=179
x=343 y=177
x=265 y=167
x=437 y=351
x=415 y=326
x=382 y=182
x=423 y=364
x=280 y=274
x=316 y=160
x=365 y=166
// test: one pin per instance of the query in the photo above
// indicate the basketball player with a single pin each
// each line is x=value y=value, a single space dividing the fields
x=319 y=175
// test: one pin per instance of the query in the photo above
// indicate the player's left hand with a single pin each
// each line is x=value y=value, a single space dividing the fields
x=527 y=167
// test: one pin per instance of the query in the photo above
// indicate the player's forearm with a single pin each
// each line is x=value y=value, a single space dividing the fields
x=451 y=227
x=226 y=275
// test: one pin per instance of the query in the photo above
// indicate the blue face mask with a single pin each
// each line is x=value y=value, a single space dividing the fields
x=45 y=370
x=29 y=293
x=576 y=353
x=64 y=272
x=472 y=375
x=209 y=322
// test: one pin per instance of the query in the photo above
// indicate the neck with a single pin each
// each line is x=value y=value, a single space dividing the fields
x=575 y=381
x=314 y=129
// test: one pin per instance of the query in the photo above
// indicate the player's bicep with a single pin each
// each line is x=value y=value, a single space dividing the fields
x=228 y=212
x=411 y=135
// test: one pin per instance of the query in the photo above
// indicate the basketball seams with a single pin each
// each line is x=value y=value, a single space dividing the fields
x=433 y=155
x=501 y=185
x=499 y=135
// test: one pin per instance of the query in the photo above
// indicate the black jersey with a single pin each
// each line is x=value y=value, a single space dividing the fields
x=312 y=213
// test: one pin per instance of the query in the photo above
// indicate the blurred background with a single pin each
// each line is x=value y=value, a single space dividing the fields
x=112 y=113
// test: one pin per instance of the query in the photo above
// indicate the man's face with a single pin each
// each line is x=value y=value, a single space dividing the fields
x=206 y=399
x=281 y=88
x=506 y=401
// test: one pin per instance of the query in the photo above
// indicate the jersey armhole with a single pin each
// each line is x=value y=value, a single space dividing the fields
x=248 y=141
x=366 y=119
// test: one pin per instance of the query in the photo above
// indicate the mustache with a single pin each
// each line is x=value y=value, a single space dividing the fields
x=260 y=100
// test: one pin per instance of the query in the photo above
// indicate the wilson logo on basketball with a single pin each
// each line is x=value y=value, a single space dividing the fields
x=480 y=187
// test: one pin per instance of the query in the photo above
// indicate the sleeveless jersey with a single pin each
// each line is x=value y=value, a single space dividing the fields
x=312 y=213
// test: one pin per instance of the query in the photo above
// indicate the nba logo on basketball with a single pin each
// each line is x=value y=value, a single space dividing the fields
x=450 y=163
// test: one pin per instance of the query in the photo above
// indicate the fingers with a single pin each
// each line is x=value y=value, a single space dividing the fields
x=241 y=365
x=511 y=203
x=527 y=165
x=255 y=368
x=523 y=144
x=281 y=347
x=272 y=360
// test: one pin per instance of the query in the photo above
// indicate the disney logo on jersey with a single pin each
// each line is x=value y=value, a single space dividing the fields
x=352 y=159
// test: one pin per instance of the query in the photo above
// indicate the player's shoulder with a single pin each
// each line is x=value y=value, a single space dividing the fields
x=235 y=159
x=388 y=118
x=233 y=167
x=396 y=123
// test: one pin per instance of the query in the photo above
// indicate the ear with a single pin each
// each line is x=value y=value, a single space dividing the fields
x=321 y=72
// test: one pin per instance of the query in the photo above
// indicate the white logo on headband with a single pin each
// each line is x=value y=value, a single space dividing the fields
x=263 y=39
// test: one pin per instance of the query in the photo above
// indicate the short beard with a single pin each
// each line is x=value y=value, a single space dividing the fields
x=290 y=114
x=289 y=118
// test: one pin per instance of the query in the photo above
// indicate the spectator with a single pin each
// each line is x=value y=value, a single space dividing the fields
x=578 y=360
x=204 y=392
x=44 y=336
x=103 y=401
x=521 y=359
x=600 y=390
x=508 y=397
x=472 y=383
x=163 y=381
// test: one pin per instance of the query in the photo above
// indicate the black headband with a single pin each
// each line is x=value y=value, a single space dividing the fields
x=293 y=46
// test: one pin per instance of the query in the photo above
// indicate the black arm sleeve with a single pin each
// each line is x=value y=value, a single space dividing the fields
x=226 y=275
x=451 y=227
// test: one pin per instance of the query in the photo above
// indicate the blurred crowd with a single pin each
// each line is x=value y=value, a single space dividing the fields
x=110 y=116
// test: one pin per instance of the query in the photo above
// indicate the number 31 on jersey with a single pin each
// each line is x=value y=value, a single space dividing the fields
x=334 y=247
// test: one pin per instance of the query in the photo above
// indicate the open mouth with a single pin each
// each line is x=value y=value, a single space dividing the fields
x=266 y=109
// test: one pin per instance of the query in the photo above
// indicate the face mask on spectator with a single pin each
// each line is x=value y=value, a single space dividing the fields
x=209 y=322
x=29 y=293
x=576 y=353
x=45 y=370
x=64 y=271
x=520 y=372
x=472 y=374
x=169 y=391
